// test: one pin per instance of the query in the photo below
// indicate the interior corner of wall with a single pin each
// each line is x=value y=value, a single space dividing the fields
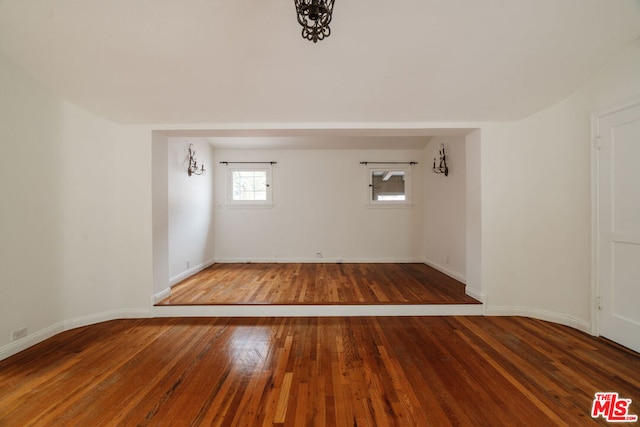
x=476 y=294
x=156 y=298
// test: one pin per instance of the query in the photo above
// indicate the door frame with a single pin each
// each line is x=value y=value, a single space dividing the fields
x=595 y=204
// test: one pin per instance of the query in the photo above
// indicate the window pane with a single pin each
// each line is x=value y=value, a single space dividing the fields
x=388 y=185
x=249 y=185
x=382 y=197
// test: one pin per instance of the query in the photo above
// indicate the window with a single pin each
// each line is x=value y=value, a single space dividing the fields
x=389 y=186
x=249 y=186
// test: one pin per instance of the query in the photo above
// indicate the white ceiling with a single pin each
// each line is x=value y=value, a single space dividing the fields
x=239 y=62
x=353 y=139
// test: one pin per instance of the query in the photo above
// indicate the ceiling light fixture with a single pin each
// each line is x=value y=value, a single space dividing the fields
x=315 y=17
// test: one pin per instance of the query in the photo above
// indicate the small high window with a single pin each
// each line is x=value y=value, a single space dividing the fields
x=389 y=186
x=249 y=186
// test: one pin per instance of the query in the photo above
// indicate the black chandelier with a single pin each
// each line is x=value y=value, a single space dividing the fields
x=315 y=17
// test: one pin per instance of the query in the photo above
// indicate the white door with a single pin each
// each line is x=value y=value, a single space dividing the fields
x=618 y=224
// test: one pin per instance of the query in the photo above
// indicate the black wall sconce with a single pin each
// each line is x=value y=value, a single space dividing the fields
x=193 y=163
x=442 y=166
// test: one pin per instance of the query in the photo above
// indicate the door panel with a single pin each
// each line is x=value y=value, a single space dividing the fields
x=619 y=226
x=626 y=271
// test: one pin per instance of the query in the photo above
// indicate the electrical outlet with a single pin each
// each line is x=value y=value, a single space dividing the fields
x=188 y=264
x=18 y=334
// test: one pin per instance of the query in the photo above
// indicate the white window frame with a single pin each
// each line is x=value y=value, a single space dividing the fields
x=249 y=203
x=389 y=203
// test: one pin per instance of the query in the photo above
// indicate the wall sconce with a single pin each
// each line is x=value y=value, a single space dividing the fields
x=193 y=163
x=442 y=166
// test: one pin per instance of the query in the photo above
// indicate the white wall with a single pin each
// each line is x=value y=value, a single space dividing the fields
x=134 y=245
x=473 y=151
x=89 y=213
x=190 y=209
x=445 y=208
x=68 y=253
x=31 y=204
x=160 y=197
x=319 y=206
x=536 y=201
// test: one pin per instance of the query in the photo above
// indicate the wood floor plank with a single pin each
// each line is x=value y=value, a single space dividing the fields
x=318 y=284
x=387 y=371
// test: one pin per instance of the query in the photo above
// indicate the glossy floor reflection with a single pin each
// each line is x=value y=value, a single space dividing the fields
x=403 y=371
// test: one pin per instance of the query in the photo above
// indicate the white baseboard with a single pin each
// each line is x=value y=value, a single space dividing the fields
x=259 y=310
x=315 y=260
x=536 y=313
x=66 y=325
x=190 y=272
x=161 y=295
x=475 y=294
x=105 y=316
x=459 y=277
x=30 y=340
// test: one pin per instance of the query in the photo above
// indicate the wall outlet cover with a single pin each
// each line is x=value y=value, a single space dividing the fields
x=18 y=334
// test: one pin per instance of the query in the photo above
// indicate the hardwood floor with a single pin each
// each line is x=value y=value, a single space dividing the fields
x=355 y=371
x=319 y=284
